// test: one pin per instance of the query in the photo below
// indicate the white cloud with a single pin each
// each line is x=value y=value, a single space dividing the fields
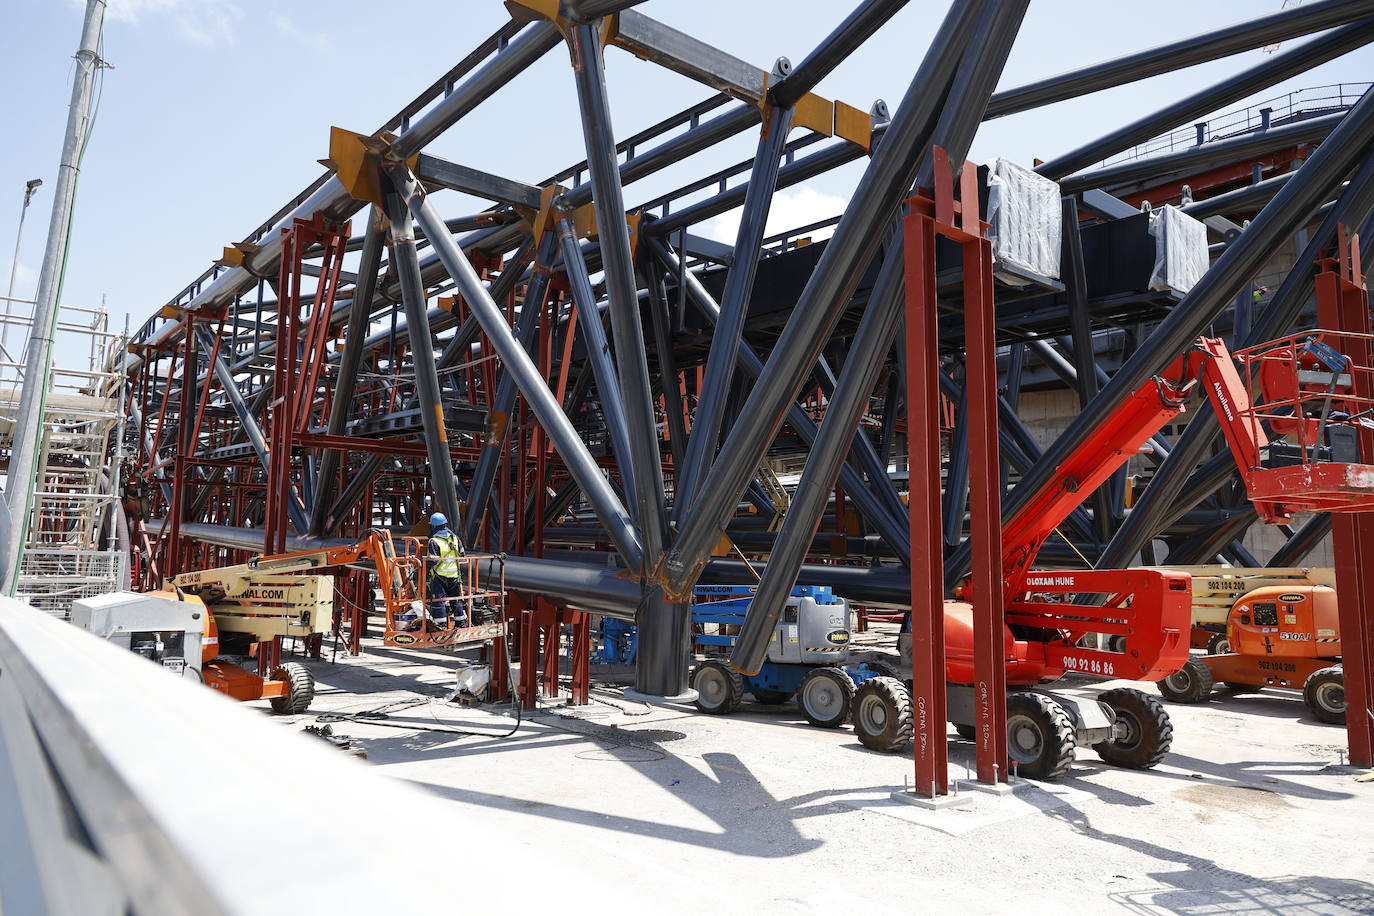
x=791 y=209
x=316 y=41
x=202 y=22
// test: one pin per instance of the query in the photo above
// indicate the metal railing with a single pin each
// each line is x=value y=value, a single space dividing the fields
x=1298 y=105
x=51 y=579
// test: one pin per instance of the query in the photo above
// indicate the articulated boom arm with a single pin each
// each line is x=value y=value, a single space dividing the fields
x=1143 y=414
x=375 y=546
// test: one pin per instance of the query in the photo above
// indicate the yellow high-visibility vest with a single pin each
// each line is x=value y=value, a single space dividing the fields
x=449 y=552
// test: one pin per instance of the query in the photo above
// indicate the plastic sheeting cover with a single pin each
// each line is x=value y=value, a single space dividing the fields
x=1180 y=249
x=1024 y=219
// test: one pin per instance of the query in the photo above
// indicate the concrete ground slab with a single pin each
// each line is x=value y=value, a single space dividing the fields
x=1252 y=812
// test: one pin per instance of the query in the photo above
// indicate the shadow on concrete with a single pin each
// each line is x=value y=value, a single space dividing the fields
x=1207 y=888
x=752 y=822
x=1286 y=896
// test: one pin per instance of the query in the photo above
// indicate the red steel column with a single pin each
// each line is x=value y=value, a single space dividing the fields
x=1343 y=305
x=985 y=492
x=923 y=463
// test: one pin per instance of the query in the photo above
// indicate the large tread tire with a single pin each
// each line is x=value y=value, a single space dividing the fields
x=826 y=695
x=1190 y=684
x=1324 y=694
x=719 y=687
x=1149 y=732
x=1039 y=737
x=772 y=697
x=1219 y=644
x=300 y=688
x=882 y=714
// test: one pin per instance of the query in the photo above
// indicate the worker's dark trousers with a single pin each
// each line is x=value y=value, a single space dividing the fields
x=441 y=587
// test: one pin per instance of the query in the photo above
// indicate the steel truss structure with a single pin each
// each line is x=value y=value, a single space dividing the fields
x=465 y=363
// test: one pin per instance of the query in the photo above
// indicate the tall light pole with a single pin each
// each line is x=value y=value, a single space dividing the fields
x=29 y=188
x=28 y=424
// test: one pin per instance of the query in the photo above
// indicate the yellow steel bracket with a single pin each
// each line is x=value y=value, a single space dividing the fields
x=545 y=219
x=827 y=118
x=833 y=119
x=356 y=160
x=854 y=125
x=232 y=257
x=530 y=10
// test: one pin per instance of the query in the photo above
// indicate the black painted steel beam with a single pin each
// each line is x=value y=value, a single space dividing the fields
x=846 y=38
x=889 y=176
x=1177 y=55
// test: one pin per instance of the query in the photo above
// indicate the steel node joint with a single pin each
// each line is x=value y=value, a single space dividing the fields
x=564 y=19
x=356 y=160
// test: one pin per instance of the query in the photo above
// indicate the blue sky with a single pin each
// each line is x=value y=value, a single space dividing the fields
x=216 y=112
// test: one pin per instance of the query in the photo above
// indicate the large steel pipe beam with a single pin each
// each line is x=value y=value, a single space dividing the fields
x=621 y=289
x=1176 y=55
x=665 y=626
x=503 y=402
x=589 y=588
x=598 y=353
x=888 y=177
x=407 y=266
x=1272 y=227
x=527 y=376
x=734 y=306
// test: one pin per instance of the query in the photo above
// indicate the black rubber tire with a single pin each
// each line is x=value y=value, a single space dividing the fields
x=882 y=714
x=719 y=687
x=772 y=697
x=1039 y=737
x=1149 y=733
x=1116 y=643
x=1324 y=694
x=300 y=688
x=1190 y=684
x=967 y=732
x=826 y=696
x=1219 y=644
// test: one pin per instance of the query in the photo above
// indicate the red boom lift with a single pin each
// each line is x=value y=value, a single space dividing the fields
x=1148 y=610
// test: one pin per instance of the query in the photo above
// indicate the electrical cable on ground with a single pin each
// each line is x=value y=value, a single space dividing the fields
x=380 y=714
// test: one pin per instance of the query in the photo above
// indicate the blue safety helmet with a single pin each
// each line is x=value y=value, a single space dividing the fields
x=438 y=520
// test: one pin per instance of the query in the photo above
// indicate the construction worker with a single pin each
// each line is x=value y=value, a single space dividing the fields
x=445 y=579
